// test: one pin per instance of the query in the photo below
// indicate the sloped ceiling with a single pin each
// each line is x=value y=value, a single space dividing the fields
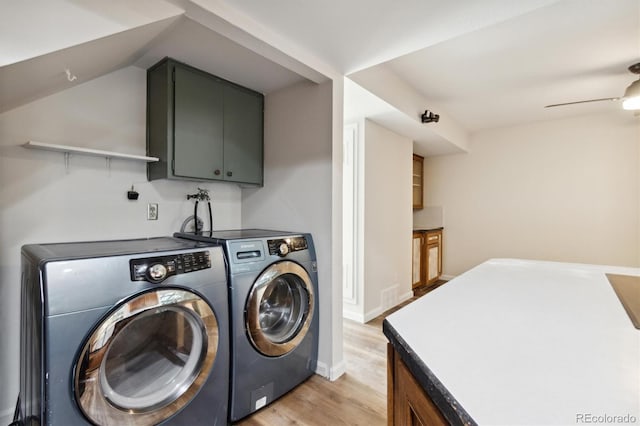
x=198 y=46
x=178 y=37
x=480 y=64
x=357 y=34
x=44 y=75
x=31 y=28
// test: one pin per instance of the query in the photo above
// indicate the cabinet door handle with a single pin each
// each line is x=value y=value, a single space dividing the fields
x=216 y=172
x=229 y=173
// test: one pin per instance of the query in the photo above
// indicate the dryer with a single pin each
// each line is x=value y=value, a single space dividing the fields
x=129 y=332
x=273 y=299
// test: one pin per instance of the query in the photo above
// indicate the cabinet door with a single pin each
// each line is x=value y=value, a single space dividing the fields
x=433 y=260
x=417 y=261
x=408 y=404
x=433 y=256
x=198 y=129
x=243 y=135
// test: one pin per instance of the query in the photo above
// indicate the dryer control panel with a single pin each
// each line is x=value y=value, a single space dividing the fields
x=157 y=269
x=284 y=246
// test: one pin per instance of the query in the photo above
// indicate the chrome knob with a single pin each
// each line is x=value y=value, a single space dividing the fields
x=216 y=172
x=283 y=249
x=157 y=272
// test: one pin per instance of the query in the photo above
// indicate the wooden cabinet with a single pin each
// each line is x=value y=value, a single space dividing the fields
x=202 y=127
x=407 y=402
x=417 y=260
x=426 y=257
x=433 y=256
x=418 y=182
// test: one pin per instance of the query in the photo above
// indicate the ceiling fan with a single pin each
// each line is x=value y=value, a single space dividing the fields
x=630 y=99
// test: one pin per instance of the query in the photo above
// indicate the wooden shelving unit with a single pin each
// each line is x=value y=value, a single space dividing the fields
x=418 y=182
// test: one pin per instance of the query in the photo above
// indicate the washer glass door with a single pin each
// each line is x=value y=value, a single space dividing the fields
x=147 y=359
x=279 y=308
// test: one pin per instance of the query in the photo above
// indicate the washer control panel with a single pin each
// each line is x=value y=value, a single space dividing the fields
x=157 y=269
x=284 y=246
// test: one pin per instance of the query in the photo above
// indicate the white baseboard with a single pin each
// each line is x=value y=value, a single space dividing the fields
x=405 y=297
x=337 y=370
x=373 y=313
x=353 y=316
x=322 y=369
x=331 y=373
x=384 y=307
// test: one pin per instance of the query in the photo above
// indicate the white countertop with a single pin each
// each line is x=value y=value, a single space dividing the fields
x=526 y=342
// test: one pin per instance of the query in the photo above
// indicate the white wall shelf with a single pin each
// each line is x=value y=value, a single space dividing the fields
x=86 y=151
x=67 y=150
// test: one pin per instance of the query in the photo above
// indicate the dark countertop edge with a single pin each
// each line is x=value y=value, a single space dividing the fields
x=450 y=408
x=440 y=228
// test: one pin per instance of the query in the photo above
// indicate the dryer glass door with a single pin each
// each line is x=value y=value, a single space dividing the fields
x=147 y=359
x=279 y=308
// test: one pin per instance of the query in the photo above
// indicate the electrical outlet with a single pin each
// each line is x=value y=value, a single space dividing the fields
x=152 y=211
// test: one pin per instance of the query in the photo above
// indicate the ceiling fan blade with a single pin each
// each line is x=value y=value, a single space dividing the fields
x=582 y=102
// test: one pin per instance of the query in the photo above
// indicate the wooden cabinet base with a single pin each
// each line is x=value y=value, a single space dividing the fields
x=426 y=257
x=407 y=402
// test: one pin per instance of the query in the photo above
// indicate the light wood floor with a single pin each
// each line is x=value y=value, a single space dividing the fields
x=359 y=397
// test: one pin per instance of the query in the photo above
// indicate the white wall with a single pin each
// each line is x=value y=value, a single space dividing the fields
x=41 y=202
x=428 y=217
x=565 y=190
x=385 y=221
x=297 y=192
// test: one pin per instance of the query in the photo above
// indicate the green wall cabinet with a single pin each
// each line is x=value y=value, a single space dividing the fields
x=202 y=127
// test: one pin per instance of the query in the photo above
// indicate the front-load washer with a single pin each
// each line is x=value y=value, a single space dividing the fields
x=273 y=291
x=130 y=332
